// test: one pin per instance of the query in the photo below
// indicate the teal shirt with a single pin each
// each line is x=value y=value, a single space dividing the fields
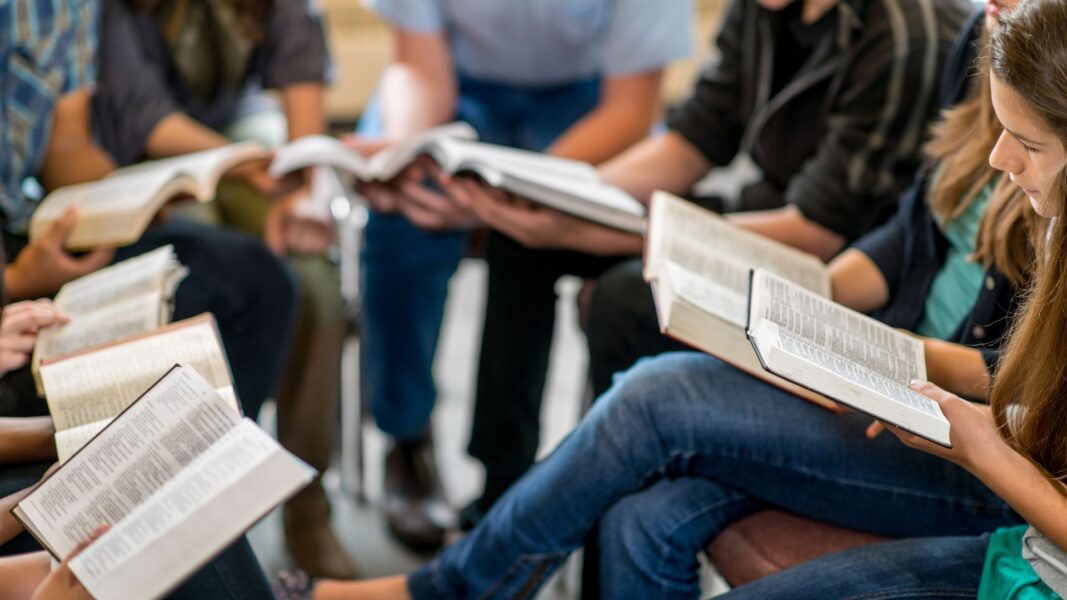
x=958 y=282
x=1006 y=574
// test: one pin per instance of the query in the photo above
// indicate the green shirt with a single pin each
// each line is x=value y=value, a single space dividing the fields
x=1006 y=574
x=958 y=282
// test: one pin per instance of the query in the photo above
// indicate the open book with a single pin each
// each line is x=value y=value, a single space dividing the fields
x=87 y=388
x=698 y=265
x=843 y=354
x=117 y=209
x=178 y=476
x=569 y=186
x=130 y=297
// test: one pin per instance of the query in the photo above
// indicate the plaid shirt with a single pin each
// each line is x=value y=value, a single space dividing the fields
x=47 y=49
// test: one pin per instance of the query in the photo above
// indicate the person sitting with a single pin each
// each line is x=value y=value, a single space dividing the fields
x=812 y=90
x=179 y=76
x=45 y=137
x=683 y=445
x=574 y=80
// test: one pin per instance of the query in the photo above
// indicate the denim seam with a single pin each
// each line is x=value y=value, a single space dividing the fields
x=665 y=548
x=844 y=481
x=918 y=592
x=515 y=567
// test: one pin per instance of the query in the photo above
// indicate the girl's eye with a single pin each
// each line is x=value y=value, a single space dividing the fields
x=1029 y=149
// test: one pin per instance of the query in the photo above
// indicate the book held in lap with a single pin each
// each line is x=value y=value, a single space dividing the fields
x=178 y=476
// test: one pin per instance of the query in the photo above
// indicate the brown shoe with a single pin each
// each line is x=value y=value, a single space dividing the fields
x=415 y=507
x=310 y=539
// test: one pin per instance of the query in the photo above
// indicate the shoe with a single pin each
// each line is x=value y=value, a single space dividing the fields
x=416 y=511
x=470 y=516
x=310 y=539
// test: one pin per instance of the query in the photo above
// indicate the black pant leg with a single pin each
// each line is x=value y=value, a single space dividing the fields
x=516 y=342
x=621 y=325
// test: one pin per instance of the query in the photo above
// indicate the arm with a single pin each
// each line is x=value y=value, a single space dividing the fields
x=25 y=440
x=305 y=109
x=72 y=156
x=789 y=226
x=978 y=447
x=626 y=112
x=665 y=162
x=418 y=89
x=21 y=574
x=178 y=133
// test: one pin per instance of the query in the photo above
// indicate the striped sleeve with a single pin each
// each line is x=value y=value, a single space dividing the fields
x=871 y=147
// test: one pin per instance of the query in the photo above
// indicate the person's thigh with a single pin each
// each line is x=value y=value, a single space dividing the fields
x=920 y=568
x=701 y=417
x=15 y=478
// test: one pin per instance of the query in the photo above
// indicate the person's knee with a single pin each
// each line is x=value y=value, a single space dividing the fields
x=654 y=385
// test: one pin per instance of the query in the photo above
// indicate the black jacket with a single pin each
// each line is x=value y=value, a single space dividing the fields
x=910 y=248
x=841 y=139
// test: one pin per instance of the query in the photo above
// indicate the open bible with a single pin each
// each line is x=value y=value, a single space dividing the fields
x=130 y=297
x=87 y=388
x=117 y=209
x=698 y=265
x=842 y=354
x=177 y=476
x=569 y=186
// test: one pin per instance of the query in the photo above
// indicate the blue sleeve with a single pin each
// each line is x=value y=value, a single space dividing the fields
x=81 y=59
x=646 y=35
x=413 y=15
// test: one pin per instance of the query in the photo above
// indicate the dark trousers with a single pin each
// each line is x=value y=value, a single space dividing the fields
x=622 y=327
x=250 y=291
x=519 y=320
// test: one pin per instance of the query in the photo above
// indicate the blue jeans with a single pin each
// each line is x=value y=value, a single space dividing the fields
x=248 y=289
x=680 y=447
x=406 y=270
x=920 y=568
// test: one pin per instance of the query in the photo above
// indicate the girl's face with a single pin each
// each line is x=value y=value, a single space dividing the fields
x=1027 y=150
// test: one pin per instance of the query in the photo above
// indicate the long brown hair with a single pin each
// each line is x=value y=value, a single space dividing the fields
x=961 y=143
x=1028 y=52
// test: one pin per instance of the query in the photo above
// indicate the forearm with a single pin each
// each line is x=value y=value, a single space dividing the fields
x=413 y=102
x=69 y=165
x=9 y=527
x=789 y=226
x=21 y=574
x=305 y=109
x=857 y=282
x=602 y=134
x=604 y=241
x=24 y=440
x=957 y=368
x=179 y=134
x=1025 y=488
x=666 y=162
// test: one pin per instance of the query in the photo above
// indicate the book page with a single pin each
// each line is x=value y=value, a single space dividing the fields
x=204 y=167
x=214 y=499
x=454 y=155
x=99 y=383
x=173 y=423
x=720 y=288
x=319 y=150
x=388 y=163
x=123 y=318
x=150 y=272
x=833 y=328
x=702 y=241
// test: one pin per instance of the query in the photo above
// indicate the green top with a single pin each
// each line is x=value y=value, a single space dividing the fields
x=958 y=282
x=1006 y=574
